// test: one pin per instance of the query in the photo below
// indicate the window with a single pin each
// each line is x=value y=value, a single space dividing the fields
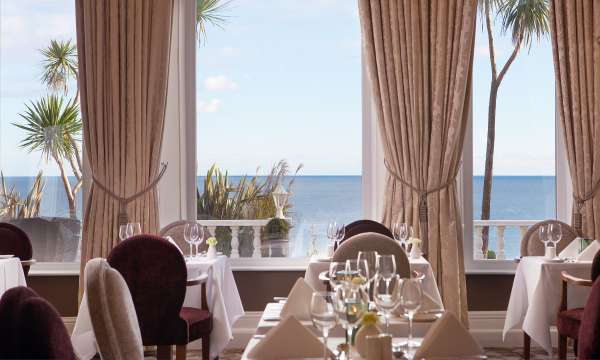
x=280 y=92
x=523 y=177
x=40 y=155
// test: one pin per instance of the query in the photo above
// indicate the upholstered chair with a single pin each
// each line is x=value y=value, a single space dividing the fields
x=569 y=321
x=112 y=313
x=363 y=226
x=350 y=248
x=15 y=241
x=156 y=275
x=531 y=244
x=589 y=331
x=30 y=328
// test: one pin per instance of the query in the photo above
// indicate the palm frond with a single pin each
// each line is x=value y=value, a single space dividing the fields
x=209 y=12
x=12 y=206
x=527 y=20
x=60 y=65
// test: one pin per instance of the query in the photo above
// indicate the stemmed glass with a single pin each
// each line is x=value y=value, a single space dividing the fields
x=323 y=316
x=337 y=274
x=134 y=228
x=350 y=303
x=555 y=233
x=340 y=233
x=332 y=232
x=190 y=233
x=125 y=232
x=199 y=238
x=410 y=300
x=386 y=268
x=543 y=235
x=357 y=272
x=386 y=297
x=370 y=257
x=400 y=232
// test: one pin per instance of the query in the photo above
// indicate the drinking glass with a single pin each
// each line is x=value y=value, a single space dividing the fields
x=357 y=272
x=136 y=228
x=337 y=274
x=341 y=232
x=323 y=315
x=350 y=303
x=386 y=267
x=543 y=235
x=332 y=232
x=400 y=232
x=386 y=298
x=555 y=233
x=187 y=236
x=410 y=300
x=123 y=232
x=199 y=238
x=371 y=259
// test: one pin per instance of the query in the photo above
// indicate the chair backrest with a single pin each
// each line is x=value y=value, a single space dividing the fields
x=112 y=312
x=595 y=267
x=175 y=231
x=588 y=343
x=363 y=226
x=15 y=241
x=156 y=275
x=531 y=244
x=350 y=248
x=31 y=328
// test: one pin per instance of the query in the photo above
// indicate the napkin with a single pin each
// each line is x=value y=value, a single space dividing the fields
x=170 y=239
x=447 y=338
x=298 y=301
x=571 y=250
x=288 y=340
x=589 y=252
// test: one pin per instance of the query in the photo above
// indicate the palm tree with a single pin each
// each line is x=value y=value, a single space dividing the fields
x=50 y=126
x=526 y=20
x=209 y=12
x=60 y=65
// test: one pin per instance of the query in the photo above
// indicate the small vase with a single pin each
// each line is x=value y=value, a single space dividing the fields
x=360 y=339
x=212 y=252
x=415 y=251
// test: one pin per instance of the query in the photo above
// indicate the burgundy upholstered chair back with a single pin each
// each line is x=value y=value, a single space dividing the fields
x=156 y=275
x=595 y=267
x=364 y=226
x=30 y=328
x=14 y=241
x=589 y=330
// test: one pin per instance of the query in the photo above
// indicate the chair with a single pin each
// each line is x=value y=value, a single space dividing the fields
x=589 y=331
x=156 y=275
x=112 y=313
x=531 y=244
x=569 y=321
x=350 y=248
x=15 y=241
x=363 y=226
x=30 y=328
x=175 y=231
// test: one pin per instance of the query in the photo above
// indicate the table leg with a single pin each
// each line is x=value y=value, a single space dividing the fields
x=163 y=352
x=526 y=346
x=180 y=352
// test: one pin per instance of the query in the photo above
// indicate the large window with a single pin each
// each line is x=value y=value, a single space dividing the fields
x=40 y=126
x=279 y=90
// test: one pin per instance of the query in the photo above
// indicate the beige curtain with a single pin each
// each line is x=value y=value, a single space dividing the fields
x=123 y=48
x=576 y=49
x=419 y=55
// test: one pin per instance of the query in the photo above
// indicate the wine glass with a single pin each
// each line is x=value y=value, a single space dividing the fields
x=555 y=233
x=134 y=228
x=400 y=232
x=331 y=232
x=123 y=232
x=386 y=267
x=340 y=233
x=323 y=316
x=357 y=272
x=386 y=298
x=350 y=303
x=543 y=235
x=411 y=296
x=187 y=236
x=371 y=259
x=199 y=237
x=337 y=274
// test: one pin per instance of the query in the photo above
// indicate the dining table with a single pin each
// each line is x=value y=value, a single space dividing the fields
x=11 y=274
x=536 y=295
x=223 y=299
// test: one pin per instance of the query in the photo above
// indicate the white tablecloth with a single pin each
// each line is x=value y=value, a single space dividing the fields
x=11 y=274
x=223 y=301
x=315 y=267
x=535 y=297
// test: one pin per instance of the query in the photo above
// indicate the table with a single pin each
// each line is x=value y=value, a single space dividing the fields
x=538 y=283
x=11 y=274
x=398 y=327
x=223 y=301
x=421 y=265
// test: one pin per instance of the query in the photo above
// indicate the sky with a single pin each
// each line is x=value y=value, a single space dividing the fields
x=282 y=80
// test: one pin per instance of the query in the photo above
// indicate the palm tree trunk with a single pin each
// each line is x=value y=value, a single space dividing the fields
x=67 y=185
x=489 y=164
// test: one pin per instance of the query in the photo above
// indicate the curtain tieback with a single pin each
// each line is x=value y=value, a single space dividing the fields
x=123 y=218
x=579 y=203
x=422 y=193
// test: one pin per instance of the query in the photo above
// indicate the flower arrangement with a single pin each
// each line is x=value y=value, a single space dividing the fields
x=414 y=241
x=370 y=318
x=212 y=241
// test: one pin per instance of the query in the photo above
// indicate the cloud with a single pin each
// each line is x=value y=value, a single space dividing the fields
x=228 y=51
x=219 y=83
x=209 y=106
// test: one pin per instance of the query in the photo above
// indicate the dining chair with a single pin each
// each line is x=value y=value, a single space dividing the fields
x=569 y=321
x=156 y=275
x=15 y=241
x=363 y=226
x=531 y=244
x=112 y=313
x=30 y=328
x=589 y=331
x=175 y=231
x=350 y=248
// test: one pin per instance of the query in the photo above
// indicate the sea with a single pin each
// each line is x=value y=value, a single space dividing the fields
x=317 y=200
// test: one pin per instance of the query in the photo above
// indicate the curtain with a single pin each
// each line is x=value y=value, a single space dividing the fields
x=123 y=49
x=419 y=56
x=575 y=29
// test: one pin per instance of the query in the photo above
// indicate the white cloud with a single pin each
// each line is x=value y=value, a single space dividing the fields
x=209 y=106
x=219 y=83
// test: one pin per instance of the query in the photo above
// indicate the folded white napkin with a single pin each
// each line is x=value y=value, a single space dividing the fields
x=571 y=250
x=589 y=252
x=287 y=340
x=298 y=301
x=170 y=239
x=447 y=338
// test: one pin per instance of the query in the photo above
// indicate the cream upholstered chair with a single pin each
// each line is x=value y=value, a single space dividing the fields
x=350 y=248
x=531 y=244
x=112 y=313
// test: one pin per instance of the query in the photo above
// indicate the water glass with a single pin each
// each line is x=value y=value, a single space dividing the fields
x=400 y=232
x=357 y=272
x=341 y=232
x=323 y=315
x=555 y=233
x=350 y=303
x=386 y=267
x=386 y=297
x=411 y=297
x=337 y=274
x=543 y=235
x=188 y=236
x=371 y=259
x=123 y=233
x=134 y=228
x=332 y=232
x=199 y=238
